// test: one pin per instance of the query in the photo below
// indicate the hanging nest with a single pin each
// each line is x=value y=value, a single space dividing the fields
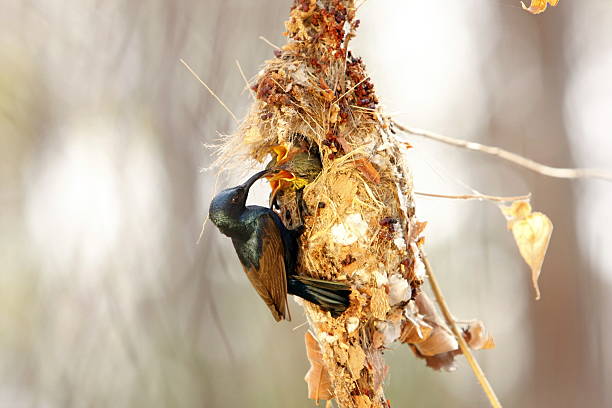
x=352 y=192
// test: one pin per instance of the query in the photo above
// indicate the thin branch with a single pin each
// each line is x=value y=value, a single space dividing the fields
x=209 y=90
x=353 y=87
x=271 y=44
x=300 y=325
x=246 y=81
x=465 y=349
x=532 y=165
x=202 y=230
x=476 y=197
x=363 y=108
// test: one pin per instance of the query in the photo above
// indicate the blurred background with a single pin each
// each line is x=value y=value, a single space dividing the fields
x=107 y=300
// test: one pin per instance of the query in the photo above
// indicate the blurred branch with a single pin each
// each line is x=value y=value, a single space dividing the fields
x=465 y=349
x=509 y=156
x=271 y=44
x=476 y=197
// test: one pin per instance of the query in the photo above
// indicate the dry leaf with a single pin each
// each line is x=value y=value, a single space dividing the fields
x=538 y=6
x=426 y=307
x=317 y=377
x=440 y=341
x=532 y=233
x=477 y=336
x=415 y=332
x=443 y=361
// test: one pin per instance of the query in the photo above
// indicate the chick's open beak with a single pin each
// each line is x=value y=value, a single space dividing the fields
x=280 y=178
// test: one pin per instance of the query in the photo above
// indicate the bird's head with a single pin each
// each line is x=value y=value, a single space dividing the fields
x=227 y=206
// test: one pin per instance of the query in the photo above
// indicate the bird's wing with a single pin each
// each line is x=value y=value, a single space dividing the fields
x=270 y=280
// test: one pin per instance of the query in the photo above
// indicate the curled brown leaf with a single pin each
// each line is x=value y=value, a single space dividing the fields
x=478 y=337
x=317 y=377
x=440 y=341
x=415 y=332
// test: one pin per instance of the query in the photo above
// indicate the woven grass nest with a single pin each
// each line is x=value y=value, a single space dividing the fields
x=359 y=217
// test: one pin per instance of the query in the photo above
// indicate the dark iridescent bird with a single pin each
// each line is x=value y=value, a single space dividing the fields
x=268 y=253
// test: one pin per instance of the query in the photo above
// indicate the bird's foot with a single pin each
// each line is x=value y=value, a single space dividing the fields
x=299 y=230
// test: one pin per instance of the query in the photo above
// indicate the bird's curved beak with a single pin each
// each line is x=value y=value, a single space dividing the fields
x=247 y=184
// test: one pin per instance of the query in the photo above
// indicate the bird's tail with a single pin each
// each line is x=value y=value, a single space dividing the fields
x=330 y=296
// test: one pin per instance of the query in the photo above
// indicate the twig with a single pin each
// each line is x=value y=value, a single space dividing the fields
x=476 y=197
x=271 y=44
x=465 y=349
x=209 y=90
x=246 y=81
x=202 y=230
x=353 y=87
x=532 y=165
x=362 y=107
x=300 y=325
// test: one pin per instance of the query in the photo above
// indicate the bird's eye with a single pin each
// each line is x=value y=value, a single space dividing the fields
x=235 y=199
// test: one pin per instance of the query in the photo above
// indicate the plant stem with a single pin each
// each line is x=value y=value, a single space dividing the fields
x=567 y=173
x=465 y=349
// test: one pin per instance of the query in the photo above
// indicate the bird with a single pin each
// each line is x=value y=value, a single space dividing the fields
x=294 y=166
x=268 y=252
